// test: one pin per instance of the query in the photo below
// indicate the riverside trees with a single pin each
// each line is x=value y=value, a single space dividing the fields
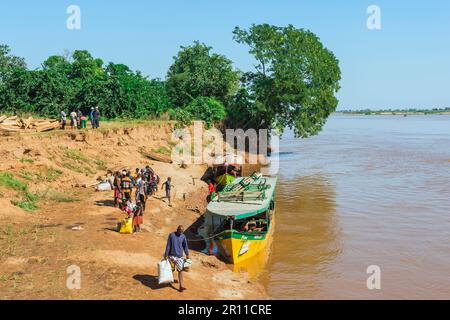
x=294 y=84
x=78 y=81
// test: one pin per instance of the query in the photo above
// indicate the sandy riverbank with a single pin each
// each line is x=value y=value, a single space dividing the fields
x=37 y=247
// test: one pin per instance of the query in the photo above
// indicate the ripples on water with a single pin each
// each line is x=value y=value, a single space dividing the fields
x=367 y=190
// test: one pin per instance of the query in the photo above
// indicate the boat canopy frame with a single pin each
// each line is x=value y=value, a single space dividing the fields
x=255 y=199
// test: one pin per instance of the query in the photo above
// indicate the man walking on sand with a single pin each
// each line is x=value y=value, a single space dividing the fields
x=176 y=244
x=168 y=186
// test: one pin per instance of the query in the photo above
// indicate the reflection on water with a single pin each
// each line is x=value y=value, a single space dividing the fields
x=254 y=266
x=305 y=241
x=307 y=236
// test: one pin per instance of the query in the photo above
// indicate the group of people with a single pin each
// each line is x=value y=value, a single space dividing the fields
x=131 y=191
x=79 y=121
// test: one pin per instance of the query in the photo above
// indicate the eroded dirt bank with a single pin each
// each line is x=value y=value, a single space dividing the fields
x=37 y=246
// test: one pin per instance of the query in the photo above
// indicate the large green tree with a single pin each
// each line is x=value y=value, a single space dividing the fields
x=294 y=82
x=9 y=62
x=12 y=71
x=131 y=95
x=196 y=72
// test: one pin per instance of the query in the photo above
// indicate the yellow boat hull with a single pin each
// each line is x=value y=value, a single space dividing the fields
x=236 y=248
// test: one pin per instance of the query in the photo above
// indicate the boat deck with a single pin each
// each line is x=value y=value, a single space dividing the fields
x=242 y=204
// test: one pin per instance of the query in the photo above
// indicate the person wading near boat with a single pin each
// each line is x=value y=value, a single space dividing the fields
x=168 y=187
x=176 y=244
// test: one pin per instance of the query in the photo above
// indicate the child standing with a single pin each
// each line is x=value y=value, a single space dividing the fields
x=138 y=217
x=168 y=187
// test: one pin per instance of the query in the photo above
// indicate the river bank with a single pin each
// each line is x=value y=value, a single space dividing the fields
x=394 y=113
x=37 y=246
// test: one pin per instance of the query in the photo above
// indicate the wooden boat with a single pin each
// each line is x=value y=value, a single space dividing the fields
x=241 y=217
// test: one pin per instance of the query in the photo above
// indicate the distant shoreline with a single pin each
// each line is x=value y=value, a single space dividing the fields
x=395 y=113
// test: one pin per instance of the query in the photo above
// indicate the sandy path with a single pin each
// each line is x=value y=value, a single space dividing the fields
x=113 y=266
x=37 y=248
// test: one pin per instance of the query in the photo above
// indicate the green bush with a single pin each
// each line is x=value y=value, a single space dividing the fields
x=27 y=198
x=210 y=110
x=183 y=117
x=25 y=204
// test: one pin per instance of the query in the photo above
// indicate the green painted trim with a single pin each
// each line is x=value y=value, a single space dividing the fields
x=247 y=235
x=251 y=214
x=254 y=213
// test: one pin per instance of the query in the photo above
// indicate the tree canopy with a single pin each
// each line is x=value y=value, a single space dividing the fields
x=294 y=82
x=210 y=110
x=8 y=62
x=196 y=72
x=78 y=81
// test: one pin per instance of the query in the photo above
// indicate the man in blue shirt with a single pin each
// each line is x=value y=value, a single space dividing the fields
x=176 y=244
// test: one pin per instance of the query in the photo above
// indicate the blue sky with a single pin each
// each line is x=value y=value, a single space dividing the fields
x=405 y=64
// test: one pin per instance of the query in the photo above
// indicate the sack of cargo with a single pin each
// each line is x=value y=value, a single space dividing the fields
x=126 y=227
x=165 y=274
x=104 y=186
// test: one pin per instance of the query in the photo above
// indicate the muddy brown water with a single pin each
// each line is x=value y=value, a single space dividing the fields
x=369 y=190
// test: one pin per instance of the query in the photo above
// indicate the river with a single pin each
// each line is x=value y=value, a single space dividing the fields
x=368 y=190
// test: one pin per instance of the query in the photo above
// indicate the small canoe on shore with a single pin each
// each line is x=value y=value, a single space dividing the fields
x=242 y=217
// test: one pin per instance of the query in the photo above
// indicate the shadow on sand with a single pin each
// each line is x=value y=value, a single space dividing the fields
x=195 y=242
x=105 y=203
x=152 y=282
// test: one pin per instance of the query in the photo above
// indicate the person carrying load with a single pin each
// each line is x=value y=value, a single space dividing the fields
x=176 y=244
x=126 y=227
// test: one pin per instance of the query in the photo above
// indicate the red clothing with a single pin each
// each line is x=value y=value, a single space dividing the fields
x=116 y=192
x=211 y=188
